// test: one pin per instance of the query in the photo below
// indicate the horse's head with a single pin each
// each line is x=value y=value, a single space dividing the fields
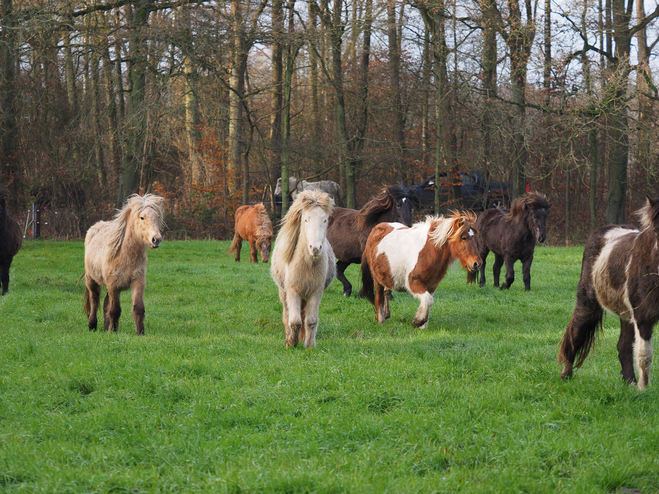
x=148 y=218
x=394 y=203
x=264 y=244
x=462 y=240
x=649 y=215
x=314 y=215
x=538 y=207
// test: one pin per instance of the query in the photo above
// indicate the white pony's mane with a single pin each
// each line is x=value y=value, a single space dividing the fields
x=136 y=203
x=446 y=227
x=290 y=229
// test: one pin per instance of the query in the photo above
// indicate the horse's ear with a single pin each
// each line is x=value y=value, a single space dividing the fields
x=652 y=201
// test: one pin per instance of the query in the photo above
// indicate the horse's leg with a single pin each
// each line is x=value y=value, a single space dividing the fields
x=294 y=303
x=510 y=273
x=387 y=297
x=380 y=302
x=93 y=299
x=284 y=316
x=253 y=251
x=311 y=320
x=643 y=353
x=483 y=253
x=496 y=269
x=238 y=243
x=303 y=329
x=5 y=264
x=526 y=273
x=423 y=312
x=626 y=351
x=340 y=270
x=112 y=310
x=137 y=295
x=580 y=331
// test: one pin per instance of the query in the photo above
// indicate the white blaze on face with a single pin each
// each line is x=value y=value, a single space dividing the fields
x=471 y=232
x=402 y=247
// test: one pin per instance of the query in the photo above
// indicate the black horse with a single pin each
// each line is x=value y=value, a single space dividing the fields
x=619 y=272
x=11 y=239
x=349 y=228
x=512 y=235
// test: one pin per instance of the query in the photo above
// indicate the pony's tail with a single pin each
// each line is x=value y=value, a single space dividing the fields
x=234 y=244
x=368 y=290
x=471 y=276
x=578 y=345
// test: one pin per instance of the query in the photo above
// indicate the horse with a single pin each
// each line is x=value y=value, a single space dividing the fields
x=349 y=228
x=415 y=259
x=116 y=256
x=253 y=224
x=295 y=187
x=619 y=272
x=303 y=265
x=512 y=235
x=11 y=240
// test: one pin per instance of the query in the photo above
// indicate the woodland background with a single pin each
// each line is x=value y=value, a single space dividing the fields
x=208 y=103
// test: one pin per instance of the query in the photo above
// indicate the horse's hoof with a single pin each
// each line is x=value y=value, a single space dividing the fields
x=347 y=293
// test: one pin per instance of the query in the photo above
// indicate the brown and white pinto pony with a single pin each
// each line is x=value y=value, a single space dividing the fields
x=620 y=273
x=512 y=235
x=416 y=259
x=303 y=265
x=115 y=256
x=253 y=224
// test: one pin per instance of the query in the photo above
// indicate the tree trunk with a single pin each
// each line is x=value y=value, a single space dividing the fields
x=277 y=96
x=236 y=83
x=8 y=129
x=396 y=104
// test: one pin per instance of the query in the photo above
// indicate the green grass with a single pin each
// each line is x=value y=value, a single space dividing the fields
x=209 y=400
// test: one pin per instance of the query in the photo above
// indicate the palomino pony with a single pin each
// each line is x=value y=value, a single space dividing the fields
x=620 y=273
x=303 y=265
x=348 y=228
x=416 y=259
x=253 y=224
x=11 y=239
x=512 y=235
x=115 y=256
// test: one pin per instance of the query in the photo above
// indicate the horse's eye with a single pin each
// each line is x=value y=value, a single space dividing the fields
x=142 y=218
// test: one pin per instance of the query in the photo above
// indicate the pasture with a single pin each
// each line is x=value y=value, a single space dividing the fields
x=209 y=399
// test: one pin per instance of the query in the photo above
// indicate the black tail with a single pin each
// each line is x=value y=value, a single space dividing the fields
x=367 y=290
x=579 y=336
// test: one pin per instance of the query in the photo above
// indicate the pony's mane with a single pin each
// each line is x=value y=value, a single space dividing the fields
x=448 y=228
x=532 y=200
x=263 y=223
x=290 y=226
x=136 y=203
x=385 y=200
x=647 y=215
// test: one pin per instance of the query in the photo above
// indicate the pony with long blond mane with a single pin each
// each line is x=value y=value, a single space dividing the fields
x=253 y=224
x=303 y=265
x=116 y=256
x=416 y=259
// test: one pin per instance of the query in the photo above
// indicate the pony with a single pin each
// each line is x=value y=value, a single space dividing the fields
x=115 y=256
x=253 y=224
x=303 y=265
x=512 y=235
x=416 y=259
x=620 y=273
x=349 y=228
x=295 y=187
x=11 y=240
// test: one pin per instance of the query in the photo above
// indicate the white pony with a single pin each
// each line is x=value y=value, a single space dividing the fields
x=115 y=256
x=303 y=265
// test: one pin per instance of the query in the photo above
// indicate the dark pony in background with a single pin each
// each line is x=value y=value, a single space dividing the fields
x=416 y=259
x=620 y=273
x=253 y=224
x=512 y=235
x=11 y=239
x=349 y=228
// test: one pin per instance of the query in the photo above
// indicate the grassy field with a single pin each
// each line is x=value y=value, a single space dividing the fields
x=209 y=400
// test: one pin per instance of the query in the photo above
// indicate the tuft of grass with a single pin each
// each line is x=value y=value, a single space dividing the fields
x=209 y=400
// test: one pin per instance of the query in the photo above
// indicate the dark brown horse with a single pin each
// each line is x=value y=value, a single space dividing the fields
x=11 y=239
x=620 y=273
x=253 y=224
x=349 y=228
x=512 y=235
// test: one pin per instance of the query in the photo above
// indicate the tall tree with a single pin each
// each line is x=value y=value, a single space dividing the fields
x=396 y=101
x=277 y=92
x=8 y=109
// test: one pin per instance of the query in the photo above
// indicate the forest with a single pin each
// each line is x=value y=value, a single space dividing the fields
x=208 y=103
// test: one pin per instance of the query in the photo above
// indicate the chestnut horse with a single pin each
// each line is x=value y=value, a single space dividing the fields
x=348 y=228
x=512 y=235
x=303 y=265
x=620 y=273
x=416 y=259
x=253 y=224
x=11 y=239
x=115 y=256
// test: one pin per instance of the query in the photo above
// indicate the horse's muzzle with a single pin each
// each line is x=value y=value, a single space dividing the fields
x=475 y=267
x=155 y=242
